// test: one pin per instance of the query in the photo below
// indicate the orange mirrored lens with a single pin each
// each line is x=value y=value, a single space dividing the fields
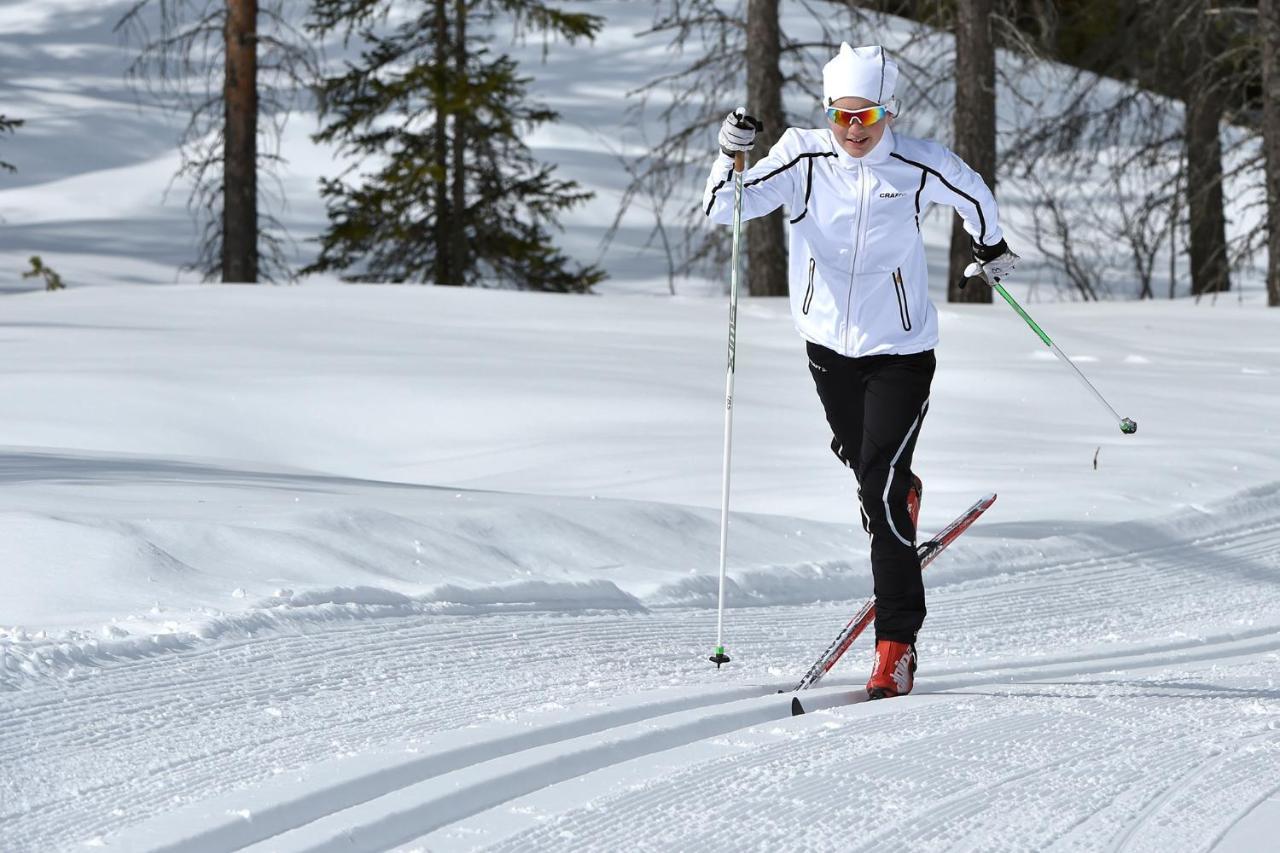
x=865 y=117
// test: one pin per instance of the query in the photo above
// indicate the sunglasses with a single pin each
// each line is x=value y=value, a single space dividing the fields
x=865 y=117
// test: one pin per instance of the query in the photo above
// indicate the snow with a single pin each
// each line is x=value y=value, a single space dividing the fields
x=464 y=526
x=371 y=568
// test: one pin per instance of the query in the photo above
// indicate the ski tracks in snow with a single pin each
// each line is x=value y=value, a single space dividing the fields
x=1123 y=701
x=1093 y=765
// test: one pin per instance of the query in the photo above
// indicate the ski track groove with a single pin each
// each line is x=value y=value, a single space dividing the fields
x=1228 y=792
x=955 y=817
x=237 y=691
x=928 y=748
x=373 y=680
x=237 y=751
x=948 y=807
x=1256 y=801
x=634 y=819
x=1162 y=796
x=380 y=825
x=640 y=815
x=1194 y=582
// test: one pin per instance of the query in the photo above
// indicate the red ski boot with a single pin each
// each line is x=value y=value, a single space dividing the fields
x=893 y=673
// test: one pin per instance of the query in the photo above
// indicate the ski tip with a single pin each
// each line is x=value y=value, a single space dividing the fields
x=796 y=708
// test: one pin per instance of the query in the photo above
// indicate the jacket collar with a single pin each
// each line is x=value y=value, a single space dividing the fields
x=875 y=156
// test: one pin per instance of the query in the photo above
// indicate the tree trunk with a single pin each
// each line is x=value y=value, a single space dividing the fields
x=1269 y=19
x=1176 y=197
x=240 y=145
x=444 y=271
x=975 y=128
x=766 y=236
x=1209 y=265
x=457 y=247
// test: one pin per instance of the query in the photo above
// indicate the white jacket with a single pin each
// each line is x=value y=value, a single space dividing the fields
x=858 y=277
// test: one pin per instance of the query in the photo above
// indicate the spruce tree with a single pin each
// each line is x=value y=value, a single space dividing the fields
x=456 y=197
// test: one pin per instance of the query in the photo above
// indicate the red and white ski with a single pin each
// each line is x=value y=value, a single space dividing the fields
x=927 y=551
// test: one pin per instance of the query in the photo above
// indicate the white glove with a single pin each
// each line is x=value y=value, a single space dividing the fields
x=996 y=268
x=738 y=133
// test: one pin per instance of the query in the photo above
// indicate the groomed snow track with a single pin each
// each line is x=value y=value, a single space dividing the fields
x=1122 y=700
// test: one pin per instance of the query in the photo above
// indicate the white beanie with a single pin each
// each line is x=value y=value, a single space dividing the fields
x=859 y=72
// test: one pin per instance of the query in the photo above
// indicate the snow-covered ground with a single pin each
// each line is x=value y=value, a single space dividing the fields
x=430 y=569
x=372 y=568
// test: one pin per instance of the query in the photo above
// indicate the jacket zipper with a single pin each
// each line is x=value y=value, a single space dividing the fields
x=866 y=205
x=808 y=294
x=900 y=287
x=853 y=260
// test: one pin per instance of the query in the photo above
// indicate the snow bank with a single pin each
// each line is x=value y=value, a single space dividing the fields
x=171 y=459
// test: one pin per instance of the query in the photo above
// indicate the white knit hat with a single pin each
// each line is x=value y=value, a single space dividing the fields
x=859 y=72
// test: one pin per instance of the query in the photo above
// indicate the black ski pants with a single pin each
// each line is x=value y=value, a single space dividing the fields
x=875 y=406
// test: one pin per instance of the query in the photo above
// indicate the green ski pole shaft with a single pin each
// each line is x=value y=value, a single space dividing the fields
x=1127 y=425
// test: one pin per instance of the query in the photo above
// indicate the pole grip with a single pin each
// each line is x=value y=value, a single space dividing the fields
x=739 y=161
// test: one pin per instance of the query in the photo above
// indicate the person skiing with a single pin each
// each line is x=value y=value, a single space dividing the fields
x=854 y=192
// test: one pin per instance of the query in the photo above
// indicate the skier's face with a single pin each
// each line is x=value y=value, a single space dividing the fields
x=858 y=139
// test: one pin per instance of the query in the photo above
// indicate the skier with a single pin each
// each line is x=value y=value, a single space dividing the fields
x=854 y=193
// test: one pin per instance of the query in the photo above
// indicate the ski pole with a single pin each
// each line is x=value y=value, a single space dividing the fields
x=739 y=163
x=1127 y=425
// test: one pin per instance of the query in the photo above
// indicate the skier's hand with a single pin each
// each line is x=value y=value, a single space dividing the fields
x=996 y=261
x=738 y=133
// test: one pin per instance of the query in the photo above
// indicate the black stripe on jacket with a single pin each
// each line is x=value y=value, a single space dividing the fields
x=982 y=220
x=774 y=173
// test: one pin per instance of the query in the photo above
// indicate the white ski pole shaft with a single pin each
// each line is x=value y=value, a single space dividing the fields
x=1127 y=425
x=739 y=163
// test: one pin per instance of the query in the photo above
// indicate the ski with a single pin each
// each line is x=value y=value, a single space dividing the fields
x=927 y=551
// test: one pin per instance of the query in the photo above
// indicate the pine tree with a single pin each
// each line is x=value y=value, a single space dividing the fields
x=456 y=197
